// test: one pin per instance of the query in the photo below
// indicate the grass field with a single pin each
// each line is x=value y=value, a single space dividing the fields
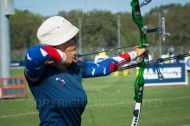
x=110 y=103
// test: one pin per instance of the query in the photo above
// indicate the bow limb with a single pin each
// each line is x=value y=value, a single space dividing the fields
x=139 y=83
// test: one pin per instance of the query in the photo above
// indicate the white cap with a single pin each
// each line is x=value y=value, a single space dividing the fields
x=56 y=30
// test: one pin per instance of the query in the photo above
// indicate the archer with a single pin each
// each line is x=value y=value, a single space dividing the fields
x=54 y=73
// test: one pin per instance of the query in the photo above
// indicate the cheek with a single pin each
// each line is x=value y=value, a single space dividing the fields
x=72 y=52
x=71 y=49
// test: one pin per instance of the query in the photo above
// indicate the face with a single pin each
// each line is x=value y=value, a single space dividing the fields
x=69 y=46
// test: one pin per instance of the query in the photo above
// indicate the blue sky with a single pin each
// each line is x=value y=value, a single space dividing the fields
x=52 y=7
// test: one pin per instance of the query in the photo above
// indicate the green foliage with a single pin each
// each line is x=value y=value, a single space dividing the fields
x=177 y=23
x=99 y=28
x=24 y=25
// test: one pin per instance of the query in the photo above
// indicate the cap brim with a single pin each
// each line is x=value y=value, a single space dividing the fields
x=60 y=38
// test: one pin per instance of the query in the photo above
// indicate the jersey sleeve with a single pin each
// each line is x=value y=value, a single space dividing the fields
x=107 y=66
x=36 y=56
x=102 y=68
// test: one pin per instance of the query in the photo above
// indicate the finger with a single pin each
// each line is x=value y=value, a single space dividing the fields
x=137 y=46
x=74 y=56
x=49 y=62
x=74 y=60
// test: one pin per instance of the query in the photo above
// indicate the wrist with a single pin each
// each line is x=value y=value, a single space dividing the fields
x=63 y=55
x=133 y=55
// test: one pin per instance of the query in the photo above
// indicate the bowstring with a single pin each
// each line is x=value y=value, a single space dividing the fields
x=83 y=12
x=82 y=18
x=91 y=115
x=110 y=50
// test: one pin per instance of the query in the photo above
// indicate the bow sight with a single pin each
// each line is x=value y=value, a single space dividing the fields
x=161 y=29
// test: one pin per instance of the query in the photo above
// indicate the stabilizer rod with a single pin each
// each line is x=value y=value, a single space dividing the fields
x=145 y=2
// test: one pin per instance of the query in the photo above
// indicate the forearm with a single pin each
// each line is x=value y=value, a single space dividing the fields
x=108 y=66
x=103 y=68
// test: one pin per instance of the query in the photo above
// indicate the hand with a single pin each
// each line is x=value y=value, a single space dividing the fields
x=139 y=51
x=69 y=58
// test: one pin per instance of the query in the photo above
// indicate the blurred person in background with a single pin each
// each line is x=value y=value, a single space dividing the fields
x=54 y=74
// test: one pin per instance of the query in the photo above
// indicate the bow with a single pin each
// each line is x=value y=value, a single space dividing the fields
x=139 y=83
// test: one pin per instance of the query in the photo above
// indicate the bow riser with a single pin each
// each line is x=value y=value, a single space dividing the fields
x=139 y=83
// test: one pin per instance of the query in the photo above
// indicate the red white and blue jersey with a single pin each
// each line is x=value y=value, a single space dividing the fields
x=59 y=95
